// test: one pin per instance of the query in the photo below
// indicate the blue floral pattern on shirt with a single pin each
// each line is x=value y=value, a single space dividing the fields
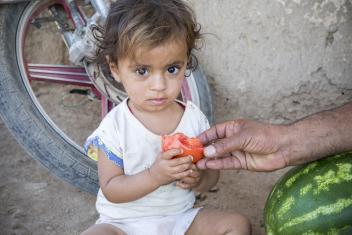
x=97 y=142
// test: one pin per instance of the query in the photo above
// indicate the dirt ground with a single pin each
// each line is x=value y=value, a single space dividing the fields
x=35 y=202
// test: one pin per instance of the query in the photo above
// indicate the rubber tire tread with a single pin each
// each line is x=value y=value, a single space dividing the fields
x=27 y=124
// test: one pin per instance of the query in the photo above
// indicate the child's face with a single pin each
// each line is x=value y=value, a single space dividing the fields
x=153 y=78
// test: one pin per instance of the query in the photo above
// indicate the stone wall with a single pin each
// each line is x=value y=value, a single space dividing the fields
x=276 y=60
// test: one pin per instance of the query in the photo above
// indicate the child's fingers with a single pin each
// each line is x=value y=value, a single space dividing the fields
x=183 y=185
x=181 y=168
x=182 y=174
x=167 y=155
x=195 y=173
x=193 y=177
x=181 y=160
x=188 y=182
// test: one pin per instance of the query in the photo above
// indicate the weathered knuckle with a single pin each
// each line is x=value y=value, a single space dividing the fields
x=221 y=147
x=234 y=126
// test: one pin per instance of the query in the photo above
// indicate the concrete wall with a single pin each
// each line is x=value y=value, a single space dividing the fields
x=276 y=60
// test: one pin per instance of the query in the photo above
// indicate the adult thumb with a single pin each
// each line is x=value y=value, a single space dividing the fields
x=222 y=147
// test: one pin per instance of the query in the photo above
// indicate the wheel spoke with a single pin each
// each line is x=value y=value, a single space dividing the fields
x=65 y=74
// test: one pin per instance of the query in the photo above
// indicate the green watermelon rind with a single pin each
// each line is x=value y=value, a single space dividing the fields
x=315 y=198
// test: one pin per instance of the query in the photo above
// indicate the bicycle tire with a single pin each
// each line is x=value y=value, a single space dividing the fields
x=32 y=130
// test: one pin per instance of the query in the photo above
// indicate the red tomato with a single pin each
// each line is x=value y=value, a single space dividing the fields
x=190 y=146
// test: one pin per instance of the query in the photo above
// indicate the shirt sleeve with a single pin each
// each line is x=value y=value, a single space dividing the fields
x=203 y=123
x=105 y=138
x=199 y=121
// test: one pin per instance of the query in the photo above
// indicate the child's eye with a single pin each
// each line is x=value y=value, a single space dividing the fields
x=142 y=71
x=173 y=69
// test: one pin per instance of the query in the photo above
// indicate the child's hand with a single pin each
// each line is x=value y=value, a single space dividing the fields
x=192 y=180
x=167 y=169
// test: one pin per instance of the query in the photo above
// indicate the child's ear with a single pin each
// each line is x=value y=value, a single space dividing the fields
x=113 y=69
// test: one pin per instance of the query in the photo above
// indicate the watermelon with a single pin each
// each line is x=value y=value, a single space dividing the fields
x=312 y=199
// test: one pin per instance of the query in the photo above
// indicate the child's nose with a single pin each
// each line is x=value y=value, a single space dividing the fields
x=158 y=82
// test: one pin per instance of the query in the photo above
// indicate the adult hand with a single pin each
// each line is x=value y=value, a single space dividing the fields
x=244 y=144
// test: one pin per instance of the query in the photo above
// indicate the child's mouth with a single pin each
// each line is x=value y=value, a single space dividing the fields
x=158 y=101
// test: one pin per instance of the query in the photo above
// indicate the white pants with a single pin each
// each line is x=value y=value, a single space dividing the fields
x=154 y=225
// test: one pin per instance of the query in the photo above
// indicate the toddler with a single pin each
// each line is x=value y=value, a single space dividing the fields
x=143 y=191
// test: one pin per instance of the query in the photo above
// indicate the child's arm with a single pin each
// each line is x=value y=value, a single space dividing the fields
x=118 y=187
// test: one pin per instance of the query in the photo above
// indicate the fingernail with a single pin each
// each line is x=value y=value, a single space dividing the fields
x=209 y=151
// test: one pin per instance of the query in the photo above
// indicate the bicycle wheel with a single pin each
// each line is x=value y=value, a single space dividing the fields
x=28 y=83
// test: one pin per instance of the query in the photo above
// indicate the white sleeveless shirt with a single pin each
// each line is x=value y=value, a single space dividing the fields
x=131 y=146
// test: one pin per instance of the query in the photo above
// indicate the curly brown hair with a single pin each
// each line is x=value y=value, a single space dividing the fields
x=134 y=23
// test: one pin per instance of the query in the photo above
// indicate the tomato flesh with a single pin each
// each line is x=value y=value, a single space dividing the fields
x=190 y=146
